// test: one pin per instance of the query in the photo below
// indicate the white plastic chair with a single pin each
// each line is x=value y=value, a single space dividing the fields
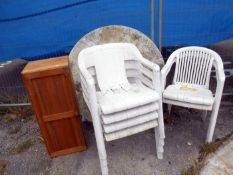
x=123 y=93
x=190 y=87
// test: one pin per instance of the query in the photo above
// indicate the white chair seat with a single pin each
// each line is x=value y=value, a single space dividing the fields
x=130 y=122
x=120 y=100
x=131 y=131
x=128 y=114
x=183 y=93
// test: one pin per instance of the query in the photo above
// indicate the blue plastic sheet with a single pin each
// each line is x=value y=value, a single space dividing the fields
x=199 y=22
x=39 y=29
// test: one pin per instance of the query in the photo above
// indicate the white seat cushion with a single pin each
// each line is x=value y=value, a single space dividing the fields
x=119 y=100
x=130 y=113
x=185 y=93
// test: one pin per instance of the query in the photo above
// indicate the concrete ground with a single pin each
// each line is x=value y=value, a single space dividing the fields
x=134 y=155
x=221 y=162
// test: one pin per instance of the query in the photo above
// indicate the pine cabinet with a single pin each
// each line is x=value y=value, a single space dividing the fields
x=51 y=92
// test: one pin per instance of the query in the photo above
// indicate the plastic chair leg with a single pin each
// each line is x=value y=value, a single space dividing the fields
x=204 y=115
x=102 y=156
x=169 y=108
x=213 y=119
x=159 y=144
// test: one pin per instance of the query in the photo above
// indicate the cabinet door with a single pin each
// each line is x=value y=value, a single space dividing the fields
x=53 y=100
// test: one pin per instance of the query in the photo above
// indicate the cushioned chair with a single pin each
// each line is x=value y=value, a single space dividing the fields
x=190 y=87
x=123 y=93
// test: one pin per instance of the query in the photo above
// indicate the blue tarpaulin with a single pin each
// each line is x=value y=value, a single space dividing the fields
x=39 y=29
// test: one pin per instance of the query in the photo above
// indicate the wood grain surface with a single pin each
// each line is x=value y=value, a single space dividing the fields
x=51 y=93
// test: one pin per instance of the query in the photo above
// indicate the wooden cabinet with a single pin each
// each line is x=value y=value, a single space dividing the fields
x=52 y=95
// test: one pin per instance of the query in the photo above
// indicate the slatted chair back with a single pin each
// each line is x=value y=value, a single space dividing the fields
x=193 y=66
x=114 y=66
x=112 y=63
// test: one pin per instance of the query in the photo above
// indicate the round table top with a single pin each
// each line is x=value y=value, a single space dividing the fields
x=115 y=34
x=110 y=34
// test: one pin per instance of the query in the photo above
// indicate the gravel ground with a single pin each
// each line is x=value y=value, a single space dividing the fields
x=33 y=160
x=133 y=155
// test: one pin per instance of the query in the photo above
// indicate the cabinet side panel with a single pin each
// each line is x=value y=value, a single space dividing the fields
x=52 y=94
x=36 y=108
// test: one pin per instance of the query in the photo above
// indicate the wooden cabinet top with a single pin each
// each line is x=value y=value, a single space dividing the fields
x=46 y=64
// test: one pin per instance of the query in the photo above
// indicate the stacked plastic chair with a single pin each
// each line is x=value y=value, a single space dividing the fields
x=123 y=93
x=190 y=87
